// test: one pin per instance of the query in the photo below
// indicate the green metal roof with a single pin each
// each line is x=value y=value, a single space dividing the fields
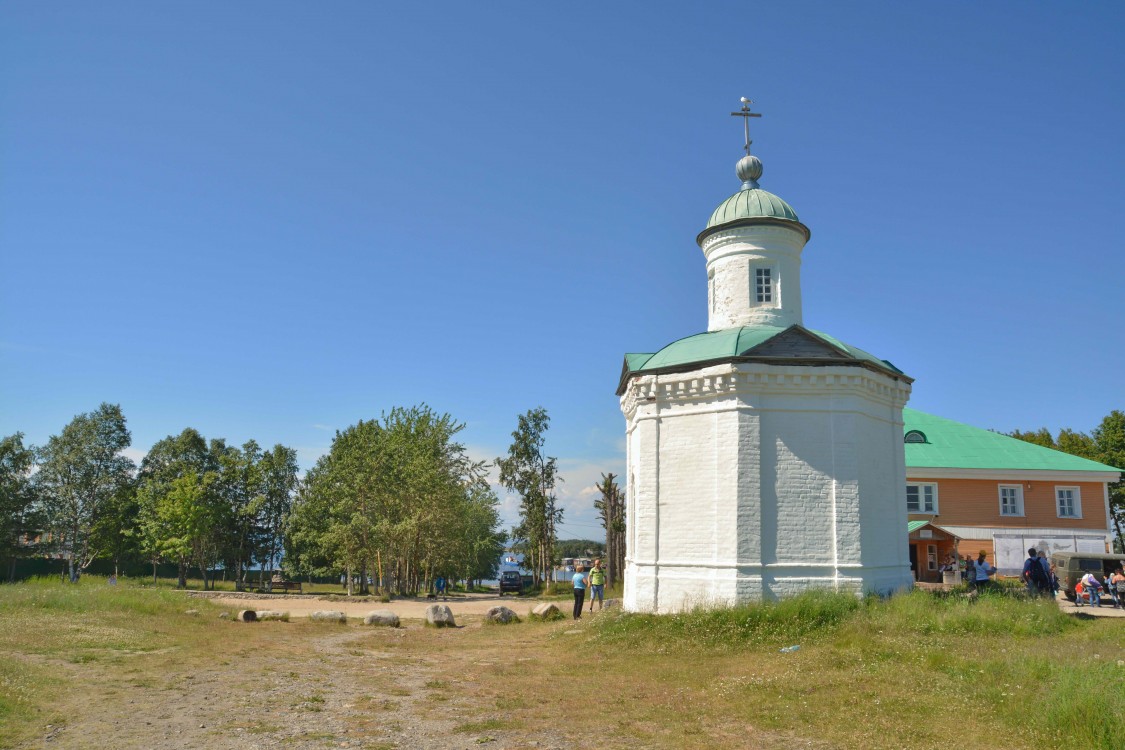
x=953 y=445
x=733 y=343
x=751 y=203
x=913 y=526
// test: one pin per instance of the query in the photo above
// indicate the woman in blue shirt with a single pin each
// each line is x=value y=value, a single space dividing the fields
x=579 y=591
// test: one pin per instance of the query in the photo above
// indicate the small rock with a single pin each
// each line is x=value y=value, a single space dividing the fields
x=247 y=615
x=224 y=615
x=328 y=615
x=612 y=604
x=546 y=611
x=501 y=615
x=384 y=617
x=572 y=632
x=202 y=726
x=191 y=612
x=440 y=616
x=273 y=614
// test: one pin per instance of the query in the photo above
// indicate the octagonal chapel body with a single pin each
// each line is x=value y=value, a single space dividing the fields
x=764 y=458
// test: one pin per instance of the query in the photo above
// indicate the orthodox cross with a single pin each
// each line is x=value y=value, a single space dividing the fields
x=746 y=114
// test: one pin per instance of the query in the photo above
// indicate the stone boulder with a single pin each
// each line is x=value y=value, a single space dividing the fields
x=247 y=615
x=501 y=616
x=384 y=617
x=191 y=612
x=440 y=616
x=546 y=611
x=273 y=614
x=328 y=615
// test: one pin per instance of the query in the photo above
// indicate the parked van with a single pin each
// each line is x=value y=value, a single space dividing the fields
x=1070 y=566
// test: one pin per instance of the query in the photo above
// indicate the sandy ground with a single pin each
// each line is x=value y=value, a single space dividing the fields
x=414 y=608
x=1106 y=610
x=467 y=604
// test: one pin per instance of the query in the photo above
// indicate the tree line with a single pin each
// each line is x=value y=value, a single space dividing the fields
x=395 y=502
x=191 y=502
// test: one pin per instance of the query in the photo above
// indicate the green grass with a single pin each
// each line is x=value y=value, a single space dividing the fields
x=783 y=623
x=1019 y=665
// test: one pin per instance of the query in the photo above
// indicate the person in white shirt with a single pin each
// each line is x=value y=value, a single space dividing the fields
x=983 y=571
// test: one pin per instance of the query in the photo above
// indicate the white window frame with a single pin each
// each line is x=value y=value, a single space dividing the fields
x=772 y=288
x=931 y=557
x=921 y=509
x=1076 y=498
x=1019 y=499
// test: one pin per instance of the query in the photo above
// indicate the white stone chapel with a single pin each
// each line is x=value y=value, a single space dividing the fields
x=764 y=458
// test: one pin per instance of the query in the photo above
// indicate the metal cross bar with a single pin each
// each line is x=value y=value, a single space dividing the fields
x=746 y=114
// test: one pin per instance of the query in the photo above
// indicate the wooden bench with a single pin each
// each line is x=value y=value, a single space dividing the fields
x=283 y=586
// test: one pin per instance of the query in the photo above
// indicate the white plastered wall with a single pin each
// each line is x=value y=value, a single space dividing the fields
x=756 y=481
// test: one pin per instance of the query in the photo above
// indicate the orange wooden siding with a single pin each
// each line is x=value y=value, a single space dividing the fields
x=976 y=502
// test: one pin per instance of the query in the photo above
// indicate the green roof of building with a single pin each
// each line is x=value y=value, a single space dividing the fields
x=953 y=445
x=913 y=526
x=733 y=342
x=747 y=343
x=751 y=203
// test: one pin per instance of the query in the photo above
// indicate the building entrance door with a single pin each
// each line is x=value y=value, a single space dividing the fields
x=913 y=560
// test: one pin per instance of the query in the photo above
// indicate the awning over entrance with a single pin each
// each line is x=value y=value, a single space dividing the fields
x=921 y=530
x=930 y=549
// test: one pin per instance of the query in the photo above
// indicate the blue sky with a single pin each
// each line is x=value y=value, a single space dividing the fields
x=270 y=220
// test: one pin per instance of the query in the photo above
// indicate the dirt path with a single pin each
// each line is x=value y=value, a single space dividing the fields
x=415 y=608
x=297 y=685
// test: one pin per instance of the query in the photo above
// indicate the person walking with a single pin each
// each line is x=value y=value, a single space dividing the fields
x=597 y=585
x=580 y=579
x=983 y=571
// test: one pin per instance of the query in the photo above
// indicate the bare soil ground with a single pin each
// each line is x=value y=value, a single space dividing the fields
x=312 y=685
x=415 y=607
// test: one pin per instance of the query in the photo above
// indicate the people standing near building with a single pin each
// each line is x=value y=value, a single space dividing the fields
x=1092 y=586
x=1052 y=579
x=982 y=571
x=1036 y=577
x=580 y=579
x=597 y=585
x=1118 y=583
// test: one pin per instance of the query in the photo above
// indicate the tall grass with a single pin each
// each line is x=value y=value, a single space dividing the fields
x=758 y=623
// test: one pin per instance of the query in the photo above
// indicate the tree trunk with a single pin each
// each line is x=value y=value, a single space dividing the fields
x=181 y=574
x=351 y=583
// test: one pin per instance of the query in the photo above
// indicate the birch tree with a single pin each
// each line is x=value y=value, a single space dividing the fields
x=532 y=475
x=81 y=470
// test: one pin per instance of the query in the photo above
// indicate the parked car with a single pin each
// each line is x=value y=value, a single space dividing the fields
x=1070 y=566
x=510 y=581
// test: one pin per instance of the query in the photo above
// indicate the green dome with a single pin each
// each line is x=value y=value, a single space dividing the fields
x=752 y=203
